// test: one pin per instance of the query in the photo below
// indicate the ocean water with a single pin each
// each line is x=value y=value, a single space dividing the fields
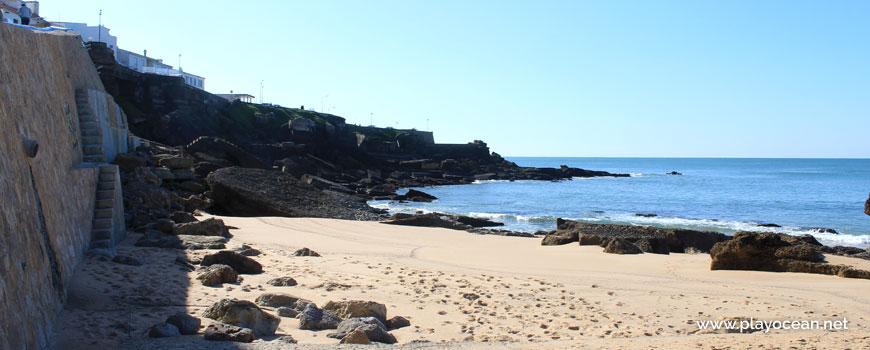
x=724 y=195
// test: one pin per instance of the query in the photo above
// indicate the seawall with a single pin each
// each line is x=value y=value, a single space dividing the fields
x=48 y=201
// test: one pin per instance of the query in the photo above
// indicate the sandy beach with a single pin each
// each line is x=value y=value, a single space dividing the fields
x=461 y=290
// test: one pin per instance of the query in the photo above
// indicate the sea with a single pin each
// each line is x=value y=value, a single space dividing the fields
x=725 y=195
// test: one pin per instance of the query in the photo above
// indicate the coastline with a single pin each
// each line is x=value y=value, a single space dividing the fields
x=562 y=296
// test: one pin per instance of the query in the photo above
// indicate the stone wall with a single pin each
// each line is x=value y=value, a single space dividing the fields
x=48 y=200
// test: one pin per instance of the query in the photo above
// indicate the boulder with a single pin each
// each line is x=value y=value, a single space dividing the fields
x=191 y=186
x=161 y=240
x=397 y=322
x=282 y=282
x=225 y=332
x=163 y=225
x=621 y=246
x=314 y=318
x=276 y=300
x=560 y=238
x=246 y=250
x=373 y=329
x=185 y=323
x=357 y=308
x=287 y=312
x=129 y=162
x=207 y=227
x=426 y=220
x=177 y=162
x=163 y=330
x=306 y=252
x=218 y=274
x=867 y=207
x=184 y=175
x=181 y=217
x=245 y=314
x=476 y=222
x=419 y=196
x=240 y=263
x=587 y=239
x=358 y=336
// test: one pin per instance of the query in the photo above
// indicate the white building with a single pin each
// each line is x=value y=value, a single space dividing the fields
x=144 y=64
x=241 y=97
x=92 y=33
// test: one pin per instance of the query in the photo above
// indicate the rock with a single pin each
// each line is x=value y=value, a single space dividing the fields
x=646 y=215
x=867 y=207
x=129 y=162
x=129 y=260
x=177 y=163
x=804 y=252
x=587 y=239
x=180 y=217
x=357 y=308
x=621 y=246
x=185 y=323
x=191 y=186
x=276 y=300
x=287 y=312
x=207 y=227
x=163 y=330
x=768 y=225
x=162 y=225
x=218 y=274
x=476 y=222
x=373 y=328
x=426 y=220
x=246 y=250
x=397 y=322
x=163 y=173
x=419 y=196
x=225 y=332
x=314 y=318
x=282 y=282
x=201 y=242
x=358 y=336
x=238 y=262
x=257 y=192
x=306 y=252
x=245 y=314
x=184 y=174
x=560 y=238
x=674 y=173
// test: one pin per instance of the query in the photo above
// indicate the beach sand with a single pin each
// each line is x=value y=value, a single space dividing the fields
x=461 y=290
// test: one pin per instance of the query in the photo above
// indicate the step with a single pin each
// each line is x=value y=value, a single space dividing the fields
x=108 y=169
x=103 y=186
x=93 y=150
x=89 y=125
x=92 y=140
x=105 y=204
x=95 y=159
x=103 y=243
x=103 y=213
x=99 y=235
x=88 y=119
x=102 y=224
x=92 y=132
x=107 y=177
x=101 y=195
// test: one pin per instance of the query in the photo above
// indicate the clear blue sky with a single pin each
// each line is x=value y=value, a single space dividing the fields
x=537 y=78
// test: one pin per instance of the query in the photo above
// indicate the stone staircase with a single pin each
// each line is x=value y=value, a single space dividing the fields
x=92 y=134
x=108 y=224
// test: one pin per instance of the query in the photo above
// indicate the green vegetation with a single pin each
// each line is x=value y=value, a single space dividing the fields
x=387 y=134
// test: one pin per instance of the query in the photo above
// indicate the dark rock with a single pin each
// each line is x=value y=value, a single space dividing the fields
x=768 y=225
x=314 y=318
x=218 y=274
x=276 y=300
x=841 y=250
x=476 y=222
x=560 y=238
x=357 y=308
x=358 y=336
x=248 y=251
x=282 y=282
x=867 y=207
x=180 y=217
x=185 y=323
x=163 y=330
x=650 y=215
x=162 y=225
x=177 y=162
x=256 y=192
x=649 y=239
x=674 y=173
x=426 y=220
x=238 y=262
x=201 y=242
x=245 y=314
x=225 y=332
x=587 y=239
x=397 y=322
x=287 y=312
x=621 y=246
x=207 y=227
x=805 y=252
x=192 y=186
x=306 y=252
x=129 y=162
x=419 y=196
x=372 y=327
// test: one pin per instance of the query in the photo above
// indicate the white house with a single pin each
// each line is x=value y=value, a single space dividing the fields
x=144 y=64
x=9 y=12
x=241 y=97
x=92 y=33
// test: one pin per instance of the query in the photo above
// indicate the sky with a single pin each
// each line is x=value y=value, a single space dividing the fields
x=785 y=78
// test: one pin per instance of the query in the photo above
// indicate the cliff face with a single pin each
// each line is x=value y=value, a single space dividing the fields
x=47 y=200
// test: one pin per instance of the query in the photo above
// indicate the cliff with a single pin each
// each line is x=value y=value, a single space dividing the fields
x=47 y=83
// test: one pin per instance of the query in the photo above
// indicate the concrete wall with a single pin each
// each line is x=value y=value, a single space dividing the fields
x=47 y=201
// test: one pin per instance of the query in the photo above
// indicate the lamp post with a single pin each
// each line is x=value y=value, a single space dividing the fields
x=371 y=119
x=100 y=28
x=261 y=91
x=321 y=103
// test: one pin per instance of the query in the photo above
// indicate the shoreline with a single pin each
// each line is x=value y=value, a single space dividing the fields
x=560 y=296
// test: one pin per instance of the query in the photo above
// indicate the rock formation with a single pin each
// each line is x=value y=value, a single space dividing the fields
x=647 y=239
x=244 y=314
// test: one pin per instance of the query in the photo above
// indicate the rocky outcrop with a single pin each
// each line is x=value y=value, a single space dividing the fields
x=357 y=308
x=207 y=227
x=456 y=222
x=257 y=192
x=240 y=263
x=771 y=252
x=621 y=246
x=647 y=239
x=245 y=314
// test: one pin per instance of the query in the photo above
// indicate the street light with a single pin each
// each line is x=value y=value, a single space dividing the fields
x=321 y=103
x=261 y=91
